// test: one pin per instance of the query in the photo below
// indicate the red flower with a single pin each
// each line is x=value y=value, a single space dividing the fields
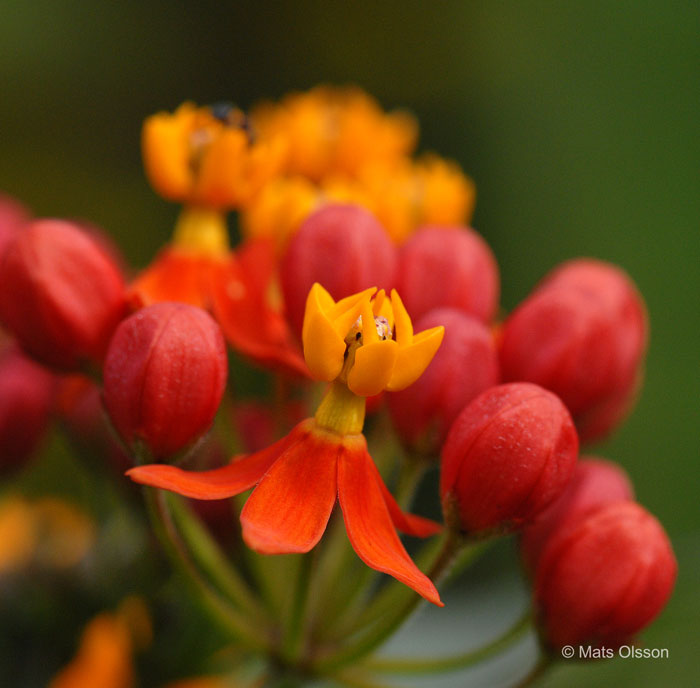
x=164 y=376
x=448 y=266
x=465 y=365
x=607 y=578
x=26 y=390
x=61 y=295
x=508 y=455
x=341 y=246
x=594 y=484
x=581 y=334
x=298 y=481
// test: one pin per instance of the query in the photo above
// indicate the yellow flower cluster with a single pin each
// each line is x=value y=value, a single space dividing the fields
x=289 y=157
x=49 y=533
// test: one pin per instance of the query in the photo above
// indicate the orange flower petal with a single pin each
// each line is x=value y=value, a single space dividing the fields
x=406 y=523
x=369 y=524
x=289 y=510
x=176 y=275
x=248 y=318
x=240 y=475
x=166 y=155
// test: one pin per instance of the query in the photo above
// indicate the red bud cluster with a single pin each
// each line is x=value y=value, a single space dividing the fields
x=343 y=248
x=465 y=365
x=60 y=294
x=605 y=578
x=164 y=376
x=581 y=334
x=508 y=455
x=448 y=266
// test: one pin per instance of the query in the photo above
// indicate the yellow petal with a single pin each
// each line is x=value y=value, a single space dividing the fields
x=221 y=173
x=373 y=367
x=343 y=323
x=369 y=328
x=350 y=301
x=166 y=156
x=318 y=300
x=378 y=302
x=412 y=360
x=402 y=327
x=324 y=348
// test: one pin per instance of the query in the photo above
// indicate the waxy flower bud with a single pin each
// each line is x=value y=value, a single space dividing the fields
x=164 y=376
x=606 y=579
x=595 y=483
x=582 y=334
x=465 y=365
x=343 y=248
x=25 y=399
x=448 y=266
x=60 y=294
x=508 y=455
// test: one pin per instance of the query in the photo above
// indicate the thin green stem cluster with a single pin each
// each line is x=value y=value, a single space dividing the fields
x=322 y=614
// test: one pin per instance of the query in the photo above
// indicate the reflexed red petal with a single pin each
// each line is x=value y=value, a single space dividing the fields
x=406 y=523
x=369 y=524
x=177 y=275
x=290 y=508
x=240 y=475
x=243 y=305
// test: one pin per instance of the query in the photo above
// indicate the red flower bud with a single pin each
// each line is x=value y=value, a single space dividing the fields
x=508 y=455
x=595 y=483
x=60 y=294
x=25 y=399
x=13 y=217
x=465 y=365
x=164 y=376
x=448 y=266
x=582 y=334
x=606 y=579
x=343 y=248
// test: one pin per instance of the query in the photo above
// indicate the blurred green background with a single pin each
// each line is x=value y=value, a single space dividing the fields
x=577 y=120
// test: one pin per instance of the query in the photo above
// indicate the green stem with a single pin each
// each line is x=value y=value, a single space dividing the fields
x=406 y=602
x=228 y=617
x=210 y=559
x=543 y=664
x=337 y=616
x=294 y=632
x=453 y=662
x=332 y=581
x=413 y=469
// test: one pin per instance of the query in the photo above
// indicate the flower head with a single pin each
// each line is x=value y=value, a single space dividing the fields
x=298 y=479
x=208 y=156
x=335 y=130
x=366 y=341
